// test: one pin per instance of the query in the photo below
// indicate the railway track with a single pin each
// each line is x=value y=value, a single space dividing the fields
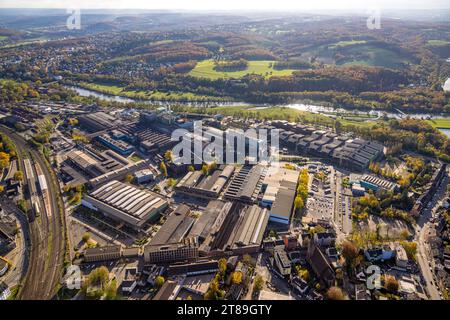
x=47 y=227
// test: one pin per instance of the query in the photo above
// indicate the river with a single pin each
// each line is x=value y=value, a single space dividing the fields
x=374 y=114
x=91 y=93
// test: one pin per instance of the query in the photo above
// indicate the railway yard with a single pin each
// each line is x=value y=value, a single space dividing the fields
x=46 y=224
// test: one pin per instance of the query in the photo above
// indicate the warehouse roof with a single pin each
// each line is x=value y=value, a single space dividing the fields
x=175 y=228
x=127 y=201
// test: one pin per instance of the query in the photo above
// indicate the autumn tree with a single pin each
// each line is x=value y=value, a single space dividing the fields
x=258 y=283
x=111 y=290
x=298 y=203
x=163 y=168
x=335 y=293
x=4 y=160
x=410 y=249
x=168 y=155
x=236 y=277
x=349 y=252
x=18 y=176
x=171 y=182
x=222 y=266
x=86 y=237
x=73 y=121
x=128 y=178
x=391 y=284
x=214 y=292
x=247 y=259
x=303 y=274
x=159 y=281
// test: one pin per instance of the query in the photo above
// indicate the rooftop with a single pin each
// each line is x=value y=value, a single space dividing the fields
x=126 y=201
x=175 y=228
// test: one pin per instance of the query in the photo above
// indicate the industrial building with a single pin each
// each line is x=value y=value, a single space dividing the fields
x=144 y=176
x=370 y=182
x=125 y=203
x=283 y=205
x=103 y=253
x=173 y=241
x=170 y=253
x=191 y=269
x=121 y=147
x=86 y=163
x=198 y=184
x=118 y=174
x=230 y=228
x=342 y=150
x=211 y=219
x=246 y=184
x=272 y=183
x=176 y=227
x=357 y=154
x=149 y=137
x=97 y=121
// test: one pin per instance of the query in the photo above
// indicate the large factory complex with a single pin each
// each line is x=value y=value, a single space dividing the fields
x=180 y=219
x=281 y=215
x=240 y=200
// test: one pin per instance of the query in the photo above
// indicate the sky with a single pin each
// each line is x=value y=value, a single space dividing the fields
x=280 y=5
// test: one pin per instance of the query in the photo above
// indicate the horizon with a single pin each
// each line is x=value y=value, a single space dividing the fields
x=231 y=5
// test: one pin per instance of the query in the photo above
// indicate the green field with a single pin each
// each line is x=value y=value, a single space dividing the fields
x=204 y=69
x=443 y=123
x=27 y=42
x=347 y=43
x=438 y=43
x=3 y=38
x=145 y=95
x=358 y=52
x=376 y=56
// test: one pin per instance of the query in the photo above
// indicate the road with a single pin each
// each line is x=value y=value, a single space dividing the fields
x=423 y=258
x=423 y=261
x=46 y=231
x=342 y=211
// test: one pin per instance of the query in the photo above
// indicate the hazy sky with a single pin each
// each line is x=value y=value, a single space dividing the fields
x=283 y=5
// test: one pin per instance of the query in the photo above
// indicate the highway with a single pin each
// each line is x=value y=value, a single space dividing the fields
x=47 y=229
